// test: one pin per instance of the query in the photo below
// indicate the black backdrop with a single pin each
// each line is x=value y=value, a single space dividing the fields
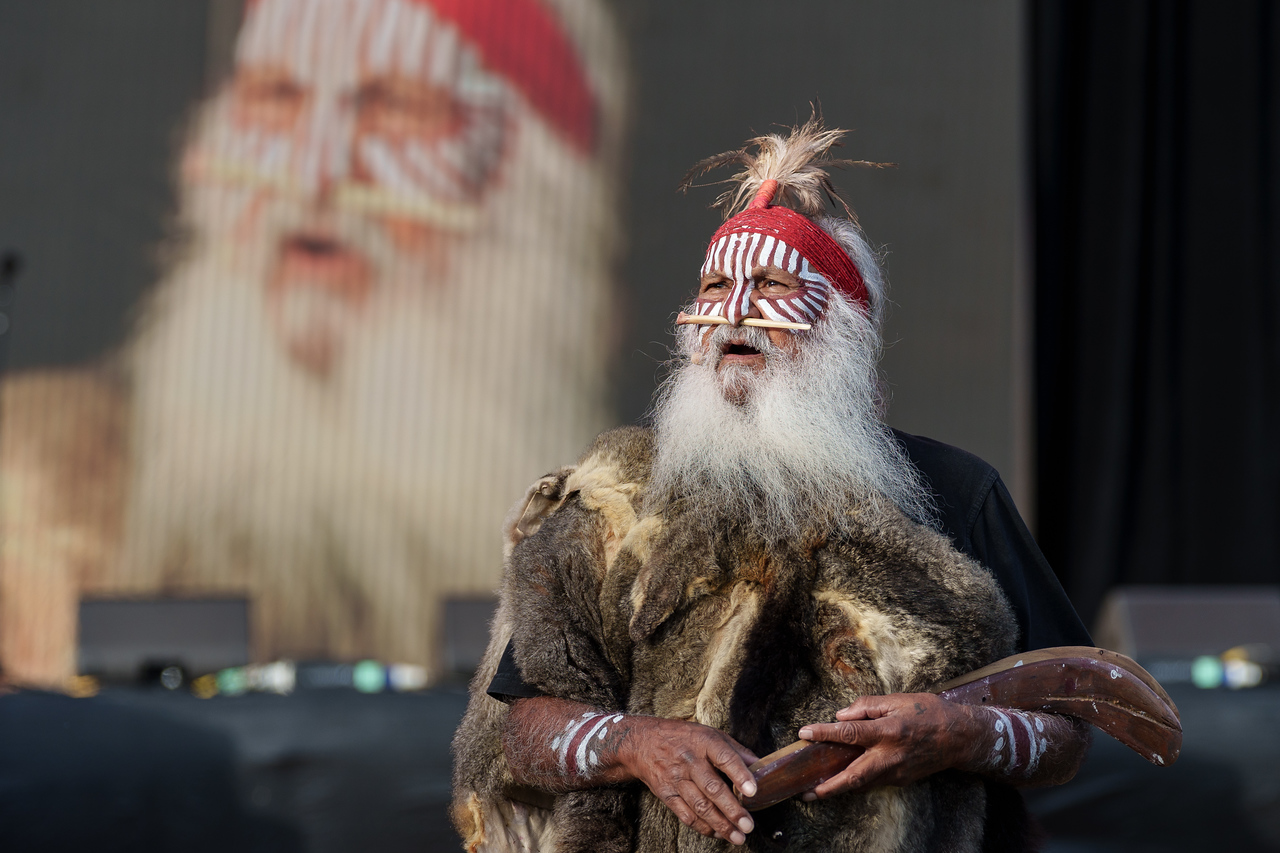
x=1156 y=180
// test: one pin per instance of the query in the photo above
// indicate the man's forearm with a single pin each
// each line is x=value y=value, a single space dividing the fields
x=908 y=736
x=557 y=745
x=1027 y=748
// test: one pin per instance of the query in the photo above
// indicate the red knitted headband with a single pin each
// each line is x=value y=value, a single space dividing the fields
x=524 y=42
x=800 y=233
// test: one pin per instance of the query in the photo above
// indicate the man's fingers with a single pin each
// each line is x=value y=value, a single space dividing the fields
x=871 y=707
x=733 y=763
x=852 y=732
x=721 y=795
x=747 y=756
x=686 y=814
x=708 y=813
x=862 y=773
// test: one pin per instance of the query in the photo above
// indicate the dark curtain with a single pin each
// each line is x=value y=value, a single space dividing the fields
x=1157 y=185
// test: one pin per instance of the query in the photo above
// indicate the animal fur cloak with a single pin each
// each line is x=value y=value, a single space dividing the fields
x=698 y=619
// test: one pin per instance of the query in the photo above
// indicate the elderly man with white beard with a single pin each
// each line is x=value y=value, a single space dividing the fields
x=767 y=559
x=388 y=310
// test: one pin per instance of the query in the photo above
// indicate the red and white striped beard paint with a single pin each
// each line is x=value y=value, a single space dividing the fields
x=738 y=256
x=436 y=151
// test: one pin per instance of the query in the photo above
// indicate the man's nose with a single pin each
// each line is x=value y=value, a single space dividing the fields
x=324 y=147
x=740 y=303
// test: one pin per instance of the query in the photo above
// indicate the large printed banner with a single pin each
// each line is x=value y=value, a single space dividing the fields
x=387 y=315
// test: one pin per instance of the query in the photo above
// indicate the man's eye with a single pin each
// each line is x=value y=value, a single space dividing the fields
x=271 y=101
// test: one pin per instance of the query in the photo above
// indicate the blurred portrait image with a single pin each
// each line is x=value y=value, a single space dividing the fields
x=386 y=308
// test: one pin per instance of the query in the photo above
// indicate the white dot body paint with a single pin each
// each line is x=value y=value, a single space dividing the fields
x=1017 y=750
x=1115 y=673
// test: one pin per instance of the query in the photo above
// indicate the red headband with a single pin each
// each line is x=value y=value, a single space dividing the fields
x=800 y=233
x=524 y=42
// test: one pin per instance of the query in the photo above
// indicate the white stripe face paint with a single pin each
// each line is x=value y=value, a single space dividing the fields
x=575 y=747
x=737 y=257
x=1020 y=742
x=380 y=93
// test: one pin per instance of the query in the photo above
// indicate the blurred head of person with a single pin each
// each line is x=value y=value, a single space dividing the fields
x=389 y=309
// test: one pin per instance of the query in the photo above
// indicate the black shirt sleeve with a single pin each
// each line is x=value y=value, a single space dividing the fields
x=1001 y=542
x=976 y=510
x=507 y=684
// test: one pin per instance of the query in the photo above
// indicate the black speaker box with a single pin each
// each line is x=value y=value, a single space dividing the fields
x=122 y=640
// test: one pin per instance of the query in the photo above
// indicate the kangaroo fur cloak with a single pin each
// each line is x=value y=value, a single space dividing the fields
x=695 y=619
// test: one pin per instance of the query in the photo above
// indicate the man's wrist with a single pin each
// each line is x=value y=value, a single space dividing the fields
x=974 y=741
x=629 y=737
x=1012 y=742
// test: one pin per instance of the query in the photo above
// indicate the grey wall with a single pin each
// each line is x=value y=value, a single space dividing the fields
x=92 y=96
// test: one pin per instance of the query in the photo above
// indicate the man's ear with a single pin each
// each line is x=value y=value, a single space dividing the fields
x=527 y=514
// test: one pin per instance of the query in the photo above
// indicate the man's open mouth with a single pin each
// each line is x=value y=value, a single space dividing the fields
x=739 y=349
x=316 y=245
x=320 y=259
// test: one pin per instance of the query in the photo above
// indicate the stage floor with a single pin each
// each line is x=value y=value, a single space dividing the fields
x=330 y=771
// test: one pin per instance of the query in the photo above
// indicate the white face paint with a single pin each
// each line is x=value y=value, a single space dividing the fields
x=379 y=105
x=737 y=257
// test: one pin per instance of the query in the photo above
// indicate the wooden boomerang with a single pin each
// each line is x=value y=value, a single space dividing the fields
x=1104 y=688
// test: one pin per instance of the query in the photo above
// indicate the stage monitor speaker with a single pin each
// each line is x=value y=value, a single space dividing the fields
x=124 y=639
x=1146 y=622
x=466 y=632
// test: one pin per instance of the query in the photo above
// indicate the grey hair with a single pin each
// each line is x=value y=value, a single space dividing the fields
x=848 y=235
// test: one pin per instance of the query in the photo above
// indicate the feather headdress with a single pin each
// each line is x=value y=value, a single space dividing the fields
x=791 y=170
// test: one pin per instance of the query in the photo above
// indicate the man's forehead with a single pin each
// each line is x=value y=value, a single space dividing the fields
x=741 y=255
x=341 y=41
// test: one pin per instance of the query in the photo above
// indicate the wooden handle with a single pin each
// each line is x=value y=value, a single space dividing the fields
x=1104 y=688
x=797 y=768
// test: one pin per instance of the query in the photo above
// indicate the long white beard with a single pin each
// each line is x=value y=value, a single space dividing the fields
x=348 y=507
x=803 y=444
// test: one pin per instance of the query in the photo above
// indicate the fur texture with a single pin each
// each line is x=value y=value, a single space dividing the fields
x=699 y=618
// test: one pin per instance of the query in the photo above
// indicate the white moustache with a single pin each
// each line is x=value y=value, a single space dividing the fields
x=749 y=335
x=722 y=336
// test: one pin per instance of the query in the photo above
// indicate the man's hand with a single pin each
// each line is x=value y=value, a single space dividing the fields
x=907 y=736
x=679 y=761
